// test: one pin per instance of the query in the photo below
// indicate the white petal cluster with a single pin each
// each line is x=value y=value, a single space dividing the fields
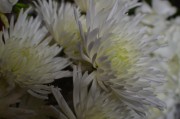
x=115 y=57
x=6 y=5
x=90 y=102
x=155 y=16
x=120 y=54
x=171 y=66
x=90 y=105
x=60 y=22
x=26 y=59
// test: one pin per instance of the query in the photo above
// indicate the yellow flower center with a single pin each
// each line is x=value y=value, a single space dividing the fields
x=121 y=56
x=18 y=65
x=25 y=52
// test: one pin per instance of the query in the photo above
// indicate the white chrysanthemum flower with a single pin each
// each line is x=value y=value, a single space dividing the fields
x=170 y=54
x=89 y=102
x=26 y=59
x=155 y=18
x=161 y=8
x=6 y=5
x=61 y=23
x=118 y=50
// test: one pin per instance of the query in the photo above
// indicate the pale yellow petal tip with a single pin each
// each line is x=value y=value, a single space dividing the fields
x=4 y=19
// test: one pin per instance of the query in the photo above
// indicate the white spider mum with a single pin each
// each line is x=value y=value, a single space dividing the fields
x=171 y=55
x=118 y=50
x=6 y=5
x=61 y=23
x=89 y=102
x=26 y=59
x=155 y=18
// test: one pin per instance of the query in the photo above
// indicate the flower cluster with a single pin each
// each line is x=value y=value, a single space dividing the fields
x=89 y=59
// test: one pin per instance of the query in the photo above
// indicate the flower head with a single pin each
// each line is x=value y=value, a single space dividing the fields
x=156 y=16
x=120 y=54
x=90 y=102
x=171 y=66
x=61 y=23
x=26 y=59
